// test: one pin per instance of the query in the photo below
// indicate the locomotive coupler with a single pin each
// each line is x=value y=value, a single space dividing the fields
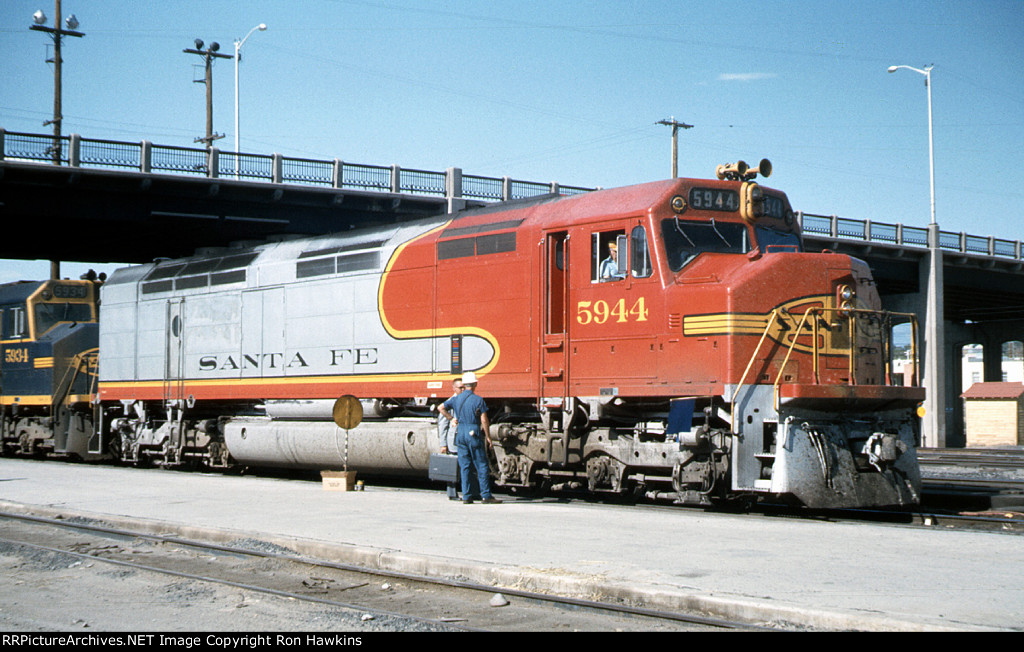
x=883 y=449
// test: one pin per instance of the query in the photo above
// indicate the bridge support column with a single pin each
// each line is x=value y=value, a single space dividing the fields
x=992 y=336
x=992 y=361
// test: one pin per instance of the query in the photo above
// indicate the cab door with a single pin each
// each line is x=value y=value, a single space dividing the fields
x=554 y=372
x=174 y=361
x=613 y=343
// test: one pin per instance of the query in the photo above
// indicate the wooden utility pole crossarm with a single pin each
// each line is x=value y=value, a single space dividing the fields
x=676 y=126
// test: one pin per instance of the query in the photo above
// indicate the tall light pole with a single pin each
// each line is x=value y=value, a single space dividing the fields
x=927 y=72
x=675 y=141
x=238 y=57
x=57 y=34
x=935 y=401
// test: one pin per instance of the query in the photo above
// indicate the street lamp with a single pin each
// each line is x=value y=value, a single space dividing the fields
x=935 y=346
x=238 y=57
x=927 y=72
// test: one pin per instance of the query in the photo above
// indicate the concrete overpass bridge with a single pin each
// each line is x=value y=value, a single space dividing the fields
x=165 y=201
x=115 y=201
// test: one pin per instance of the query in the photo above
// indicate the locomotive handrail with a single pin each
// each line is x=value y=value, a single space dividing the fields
x=853 y=312
x=782 y=368
x=73 y=369
x=912 y=318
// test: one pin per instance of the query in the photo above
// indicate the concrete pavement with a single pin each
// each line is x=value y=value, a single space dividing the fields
x=848 y=576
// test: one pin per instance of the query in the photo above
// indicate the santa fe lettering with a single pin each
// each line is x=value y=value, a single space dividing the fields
x=296 y=360
x=355 y=356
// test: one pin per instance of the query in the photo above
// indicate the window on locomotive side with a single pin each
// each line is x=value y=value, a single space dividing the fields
x=605 y=256
x=639 y=254
x=17 y=326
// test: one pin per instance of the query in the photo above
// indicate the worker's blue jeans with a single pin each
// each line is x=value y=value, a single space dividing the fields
x=476 y=481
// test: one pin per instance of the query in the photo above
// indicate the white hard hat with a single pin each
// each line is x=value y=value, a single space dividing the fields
x=469 y=378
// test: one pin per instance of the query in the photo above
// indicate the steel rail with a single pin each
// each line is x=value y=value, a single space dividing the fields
x=542 y=597
x=212 y=580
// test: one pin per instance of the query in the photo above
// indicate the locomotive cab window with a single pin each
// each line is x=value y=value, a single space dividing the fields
x=639 y=254
x=606 y=264
x=772 y=240
x=687 y=239
x=48 y=315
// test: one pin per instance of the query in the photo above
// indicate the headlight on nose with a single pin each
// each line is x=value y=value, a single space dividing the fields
x=845 y=298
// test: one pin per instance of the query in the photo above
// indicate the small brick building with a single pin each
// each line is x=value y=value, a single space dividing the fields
x=994 y=414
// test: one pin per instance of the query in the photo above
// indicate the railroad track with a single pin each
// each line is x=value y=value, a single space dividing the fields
x=996 y=458
x=405 y=602
x=973 y=479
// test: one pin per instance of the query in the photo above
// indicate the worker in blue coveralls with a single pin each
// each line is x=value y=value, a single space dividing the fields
x=468 y=412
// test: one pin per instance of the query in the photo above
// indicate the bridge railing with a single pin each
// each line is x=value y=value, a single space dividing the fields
x=147 y=157
x=832 y=226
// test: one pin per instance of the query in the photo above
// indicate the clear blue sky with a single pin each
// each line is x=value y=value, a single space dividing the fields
x=567 y=91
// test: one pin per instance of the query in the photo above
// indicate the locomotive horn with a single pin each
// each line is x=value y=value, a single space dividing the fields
x=735 y=170
x=740 y=171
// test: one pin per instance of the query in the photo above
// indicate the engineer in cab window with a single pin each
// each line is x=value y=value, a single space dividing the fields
x=609 y=270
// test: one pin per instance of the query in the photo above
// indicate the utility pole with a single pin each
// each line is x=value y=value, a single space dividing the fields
x=57 y=34
x=675 y=141
x=208 y=55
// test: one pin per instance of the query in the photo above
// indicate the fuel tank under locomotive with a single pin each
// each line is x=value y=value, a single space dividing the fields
x=301 y=434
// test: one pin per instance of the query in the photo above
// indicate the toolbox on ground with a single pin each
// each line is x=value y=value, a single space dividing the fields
x=444 y=468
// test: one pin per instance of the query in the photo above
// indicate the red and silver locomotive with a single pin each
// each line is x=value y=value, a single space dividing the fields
x=672 y=338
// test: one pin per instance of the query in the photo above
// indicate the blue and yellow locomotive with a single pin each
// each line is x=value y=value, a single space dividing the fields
x=49 y=339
